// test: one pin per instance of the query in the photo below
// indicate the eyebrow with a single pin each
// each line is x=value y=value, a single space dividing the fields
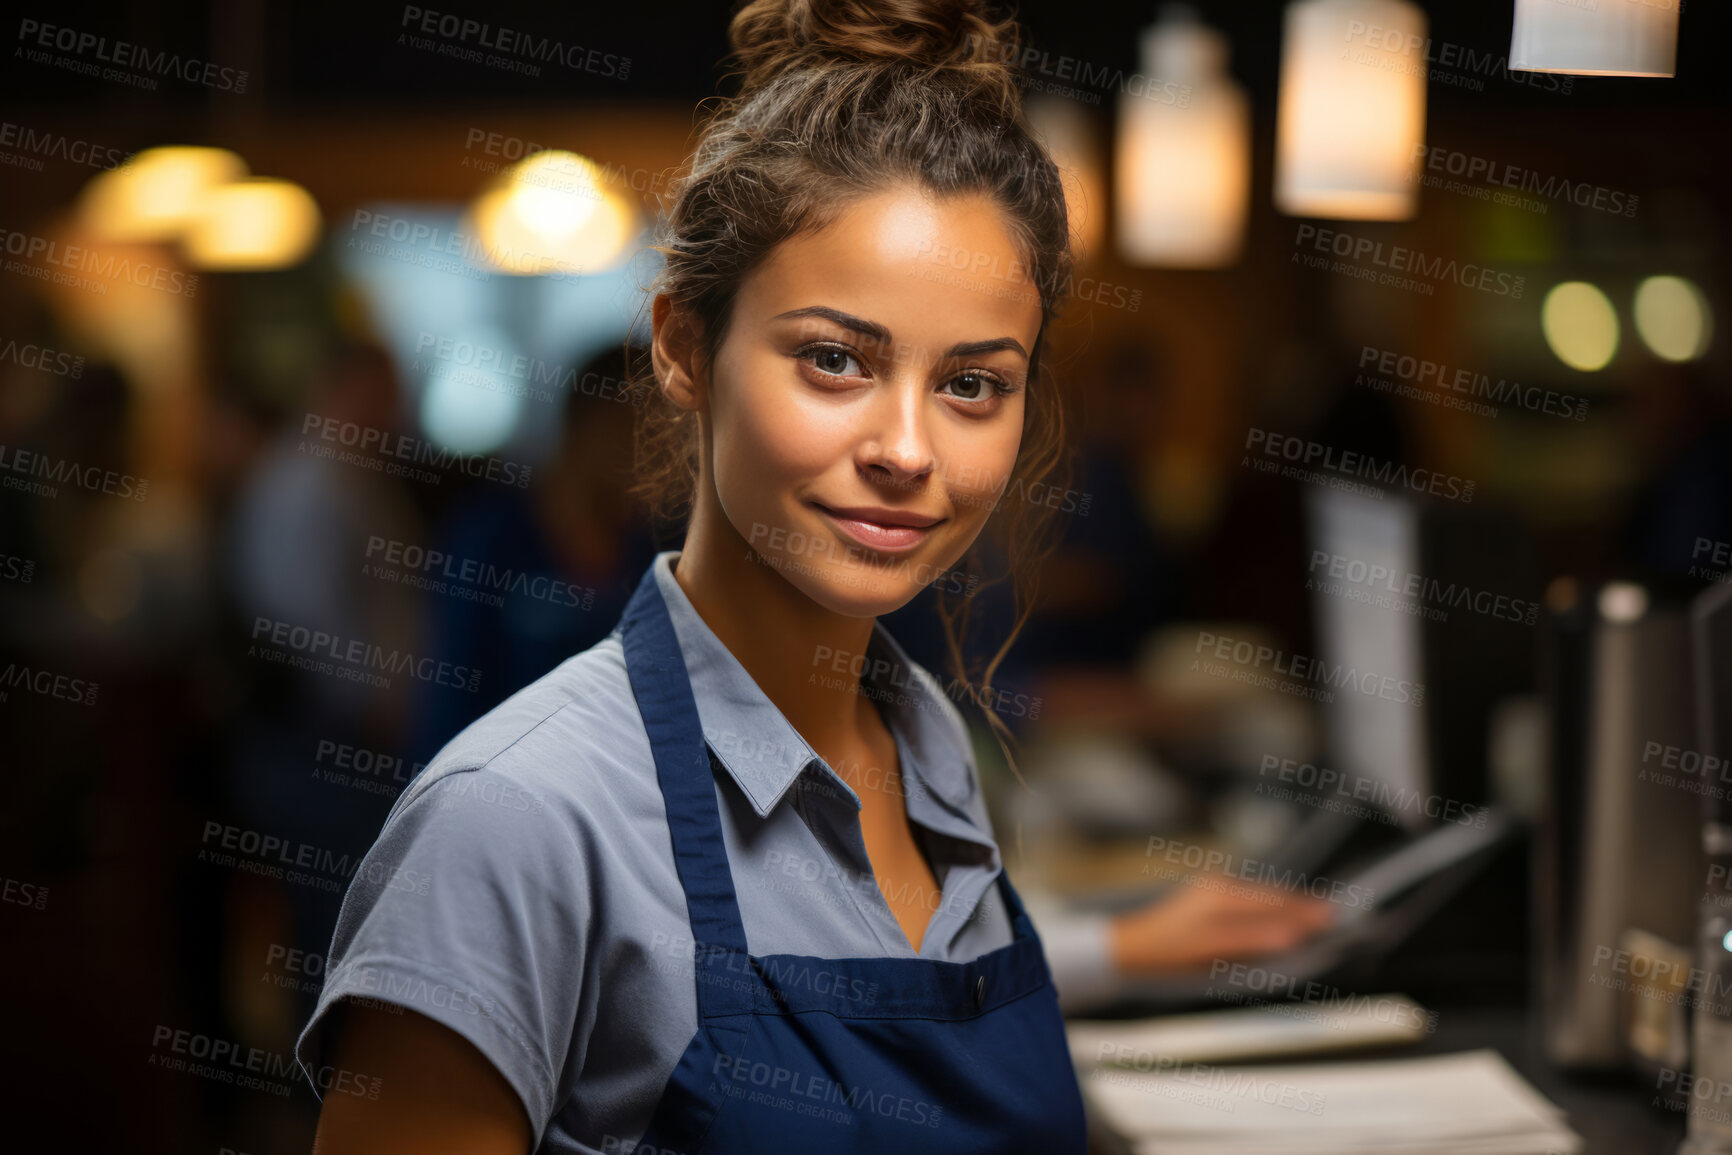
x=880 y=334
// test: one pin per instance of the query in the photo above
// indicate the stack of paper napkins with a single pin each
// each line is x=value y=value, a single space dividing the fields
x=1236 y=1034
x=1465 y=1104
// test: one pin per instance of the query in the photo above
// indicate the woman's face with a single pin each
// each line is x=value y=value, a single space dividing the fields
x=866 y=405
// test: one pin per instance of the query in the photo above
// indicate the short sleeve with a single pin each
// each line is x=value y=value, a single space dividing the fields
x=470 y=908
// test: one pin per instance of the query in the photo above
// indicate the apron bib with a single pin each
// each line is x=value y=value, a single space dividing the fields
x=802 y=1054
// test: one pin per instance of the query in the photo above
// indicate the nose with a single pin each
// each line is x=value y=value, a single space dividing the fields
x=896 y=446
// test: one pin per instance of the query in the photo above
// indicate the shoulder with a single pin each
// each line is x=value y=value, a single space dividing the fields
x=570 y=741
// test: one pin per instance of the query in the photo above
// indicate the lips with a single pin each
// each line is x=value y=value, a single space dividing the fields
x=880 y=528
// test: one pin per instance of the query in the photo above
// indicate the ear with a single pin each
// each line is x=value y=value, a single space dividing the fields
x=674 y=353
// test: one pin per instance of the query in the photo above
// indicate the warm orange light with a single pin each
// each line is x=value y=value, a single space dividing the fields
x=253 y=224
x=157 y=194
x=550 y=213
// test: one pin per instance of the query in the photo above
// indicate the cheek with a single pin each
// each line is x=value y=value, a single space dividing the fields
x=766 y=436
x=978 y=466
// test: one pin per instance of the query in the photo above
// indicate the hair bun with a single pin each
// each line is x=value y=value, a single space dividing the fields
x=770 y=37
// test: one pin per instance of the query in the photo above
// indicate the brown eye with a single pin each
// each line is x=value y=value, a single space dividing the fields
x=970 y=385
x=832 y=360
x=974 y=386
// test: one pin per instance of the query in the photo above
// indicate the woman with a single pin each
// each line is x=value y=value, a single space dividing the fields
x=724 y=882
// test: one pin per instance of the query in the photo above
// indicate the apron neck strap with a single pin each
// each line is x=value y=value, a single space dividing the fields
x=663 y=689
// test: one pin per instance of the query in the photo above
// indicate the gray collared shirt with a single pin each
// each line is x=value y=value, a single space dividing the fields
x=523 y=890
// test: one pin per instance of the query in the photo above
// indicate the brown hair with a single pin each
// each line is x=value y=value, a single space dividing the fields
x=840 y=99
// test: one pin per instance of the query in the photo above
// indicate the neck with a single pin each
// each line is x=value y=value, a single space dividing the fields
x=776 y=631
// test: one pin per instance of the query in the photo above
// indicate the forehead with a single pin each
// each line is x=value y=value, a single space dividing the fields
x=935 y=270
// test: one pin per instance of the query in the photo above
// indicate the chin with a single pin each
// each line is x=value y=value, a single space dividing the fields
x=849 y=584
x=847 y=577
x=854 y=592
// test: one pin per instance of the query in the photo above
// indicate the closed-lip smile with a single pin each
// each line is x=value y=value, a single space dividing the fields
x=879 y=527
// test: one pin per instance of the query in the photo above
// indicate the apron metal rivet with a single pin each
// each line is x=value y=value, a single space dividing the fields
x=980 y=992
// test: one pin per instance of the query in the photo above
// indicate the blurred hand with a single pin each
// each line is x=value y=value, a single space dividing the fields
x=1208 y=918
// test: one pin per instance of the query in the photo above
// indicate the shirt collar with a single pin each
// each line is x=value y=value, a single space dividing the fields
x=763 y=752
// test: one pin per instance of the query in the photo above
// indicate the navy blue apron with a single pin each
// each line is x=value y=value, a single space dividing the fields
x=788 y=1055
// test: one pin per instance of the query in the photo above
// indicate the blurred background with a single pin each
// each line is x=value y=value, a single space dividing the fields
x=314 y=438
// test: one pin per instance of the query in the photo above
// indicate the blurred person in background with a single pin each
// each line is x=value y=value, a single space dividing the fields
x=562 y=555
x=1681 y=516
x=297 y=546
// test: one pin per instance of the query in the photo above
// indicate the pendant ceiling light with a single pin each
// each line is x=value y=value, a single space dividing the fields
x=1603 y=38
x=1352 y=109
x=1183 y=162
